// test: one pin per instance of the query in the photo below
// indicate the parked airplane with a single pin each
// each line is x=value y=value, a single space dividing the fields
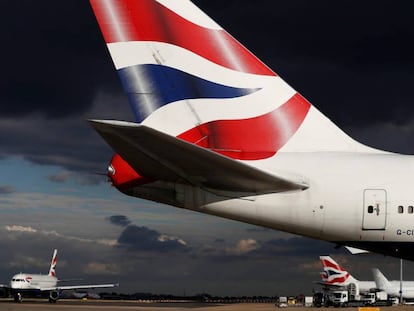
x=219 y=132
x=336 y=276
x=36 y=283
x=392 y=288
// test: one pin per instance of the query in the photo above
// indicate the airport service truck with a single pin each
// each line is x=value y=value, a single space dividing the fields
x=341 y=298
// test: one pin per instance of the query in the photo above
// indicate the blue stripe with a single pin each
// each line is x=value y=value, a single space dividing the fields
x=150 y=87
x=331 y=272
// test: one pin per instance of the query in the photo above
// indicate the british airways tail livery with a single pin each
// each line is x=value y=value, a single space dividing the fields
x=52 y=270
x=218 y=132
x=336 y=276
x=333 y=273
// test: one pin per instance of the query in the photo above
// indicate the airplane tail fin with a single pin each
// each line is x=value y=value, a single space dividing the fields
x=52 y=271
x=187 y=77
x=334 y=273
x=324 y=277
x=381 y=282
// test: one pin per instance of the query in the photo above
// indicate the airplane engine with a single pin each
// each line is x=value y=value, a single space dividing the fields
x=54 y=295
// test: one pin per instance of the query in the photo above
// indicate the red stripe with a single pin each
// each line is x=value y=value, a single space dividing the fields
x=255 y=138
x=329 y=264
x=338 y=279
x=148 y=20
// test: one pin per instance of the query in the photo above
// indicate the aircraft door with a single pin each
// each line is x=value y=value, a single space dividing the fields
x=375 y=209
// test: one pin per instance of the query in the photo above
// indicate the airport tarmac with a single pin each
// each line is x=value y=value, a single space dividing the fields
x=34 y=305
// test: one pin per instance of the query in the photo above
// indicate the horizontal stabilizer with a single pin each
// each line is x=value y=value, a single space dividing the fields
x=356 y=251
x=327 y=285
x=159 y=156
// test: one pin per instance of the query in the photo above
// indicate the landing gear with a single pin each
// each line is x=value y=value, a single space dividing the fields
x=18 y=298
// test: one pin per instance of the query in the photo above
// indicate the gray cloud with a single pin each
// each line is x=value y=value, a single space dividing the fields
x=257 y=229
x=219 y=240
x=83 y=179
x=296 y=246
x=60 y=177
x=7 y=189
x=119 y=220
x=145 y=239
x=65 y=66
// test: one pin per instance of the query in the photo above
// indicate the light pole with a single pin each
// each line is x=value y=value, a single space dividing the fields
x=401 y=280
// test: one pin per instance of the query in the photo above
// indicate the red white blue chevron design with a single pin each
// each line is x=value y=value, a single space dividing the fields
x=184 y=75
x=52 y=270
x=333 y=274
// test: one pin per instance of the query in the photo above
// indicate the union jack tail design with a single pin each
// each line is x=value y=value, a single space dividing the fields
x=187 y=77
x=333 y=273
x=324 y=277
x=52 y=271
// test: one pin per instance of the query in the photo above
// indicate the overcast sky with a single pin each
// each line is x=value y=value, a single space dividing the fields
x=354 y=60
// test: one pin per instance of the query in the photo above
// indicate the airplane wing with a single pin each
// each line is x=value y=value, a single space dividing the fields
x=159 y=156
x=356 y=251
x=68 y=287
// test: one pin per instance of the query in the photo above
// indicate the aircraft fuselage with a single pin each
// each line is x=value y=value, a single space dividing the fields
x=361 y=200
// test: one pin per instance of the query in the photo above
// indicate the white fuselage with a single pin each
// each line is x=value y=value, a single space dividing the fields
x=341 y=187
x=407 y=289
x=25 y=281
x=352 y=198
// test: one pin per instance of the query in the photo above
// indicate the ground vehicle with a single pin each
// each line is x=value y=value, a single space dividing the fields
x=282 y=302
x=319 y=299
x=339 y=298
x=342 y=298
x=308 y=301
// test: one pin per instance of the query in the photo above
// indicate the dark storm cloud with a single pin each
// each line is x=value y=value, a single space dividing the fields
x=56 y=73
x=5 y=189
x=144 y=239
x=54 y=58
x=83 y=179
x=69 y=143
x=60 y=178
x=296 y=246
x=119 y=220
x=257 y=229
x=252 y=249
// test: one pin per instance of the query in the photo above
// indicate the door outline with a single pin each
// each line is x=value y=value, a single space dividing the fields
x=374 y=215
